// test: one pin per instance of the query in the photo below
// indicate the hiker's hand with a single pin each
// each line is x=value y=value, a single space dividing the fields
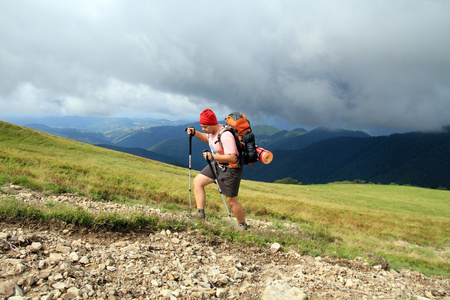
x=190 y=131
x=208 y=155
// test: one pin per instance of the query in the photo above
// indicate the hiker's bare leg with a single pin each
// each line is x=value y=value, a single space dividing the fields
x=200 y=181
x=237 y=209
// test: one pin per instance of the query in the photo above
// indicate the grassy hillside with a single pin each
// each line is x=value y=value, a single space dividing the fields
x=55 y=164
x=408 y=226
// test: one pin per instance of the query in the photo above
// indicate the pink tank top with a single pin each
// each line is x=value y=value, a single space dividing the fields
x=227 y=145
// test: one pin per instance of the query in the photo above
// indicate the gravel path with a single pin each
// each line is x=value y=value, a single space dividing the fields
x=42 y=261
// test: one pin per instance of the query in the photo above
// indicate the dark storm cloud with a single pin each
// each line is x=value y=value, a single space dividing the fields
x=350 y=63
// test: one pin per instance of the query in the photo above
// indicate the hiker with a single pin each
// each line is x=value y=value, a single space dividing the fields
x=223 y=157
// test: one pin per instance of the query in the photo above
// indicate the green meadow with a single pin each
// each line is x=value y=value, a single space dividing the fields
x=407 y=226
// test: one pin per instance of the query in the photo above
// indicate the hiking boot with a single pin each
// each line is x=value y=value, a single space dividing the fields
x=196 y=215
x=242 y=226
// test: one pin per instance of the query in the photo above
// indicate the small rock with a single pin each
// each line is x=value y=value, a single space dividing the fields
x=349 y=283
x=61 y=286
x=275 y=247
x=58 y=277
x=76 y=244
x=62 y=249
x=35 y=247
x=20 y=268
x=30 y=280
x=74 y=256
x=222 y=280
x=166 y=293
x=155 y=282
x=56 y=257
x=84 y=260
x=109 y=262
x=221 y=293
x=73 y=292
x=7 y=288
x=281 y=290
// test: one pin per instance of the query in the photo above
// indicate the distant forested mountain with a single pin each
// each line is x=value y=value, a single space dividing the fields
x=146 y=138
x=266 y=137
x=300 y=138
x=419 y=159
x=147 y=154
x=79 y=135
x=95 y=124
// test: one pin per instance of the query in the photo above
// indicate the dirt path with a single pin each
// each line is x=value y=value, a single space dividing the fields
x=41 y=261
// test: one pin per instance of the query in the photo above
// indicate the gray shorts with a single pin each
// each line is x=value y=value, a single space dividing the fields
x=229 y=180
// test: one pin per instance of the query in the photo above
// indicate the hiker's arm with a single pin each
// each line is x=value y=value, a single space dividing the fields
x=221 y=158
x=225 y=158
x=201 y=136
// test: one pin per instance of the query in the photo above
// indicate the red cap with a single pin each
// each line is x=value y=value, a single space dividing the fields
x=207 y=117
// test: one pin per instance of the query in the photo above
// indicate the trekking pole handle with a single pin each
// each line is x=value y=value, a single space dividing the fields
x=207 y=156
x=192 y=132
x=212 y=169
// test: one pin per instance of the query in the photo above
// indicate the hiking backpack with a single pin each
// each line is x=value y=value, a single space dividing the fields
x=239 y=126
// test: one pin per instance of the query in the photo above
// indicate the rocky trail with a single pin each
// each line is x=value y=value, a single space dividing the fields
x=51 y=261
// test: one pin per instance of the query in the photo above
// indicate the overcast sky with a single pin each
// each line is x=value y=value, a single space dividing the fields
x=351 y=64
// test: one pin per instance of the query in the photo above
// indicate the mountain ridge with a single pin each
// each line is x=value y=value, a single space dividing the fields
x=417 y=159
x=321 y=155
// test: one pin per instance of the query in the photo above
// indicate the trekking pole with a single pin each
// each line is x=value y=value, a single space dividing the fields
x=190 y=169
x=220 y=190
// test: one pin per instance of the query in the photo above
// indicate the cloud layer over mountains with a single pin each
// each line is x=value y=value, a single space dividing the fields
x=362 y=65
